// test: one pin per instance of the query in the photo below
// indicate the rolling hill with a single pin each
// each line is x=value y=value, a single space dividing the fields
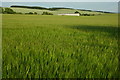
x=55 y=11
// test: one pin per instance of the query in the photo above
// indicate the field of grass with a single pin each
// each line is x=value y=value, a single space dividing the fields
x=36 y=46
x=60 y=11
x=0 y=46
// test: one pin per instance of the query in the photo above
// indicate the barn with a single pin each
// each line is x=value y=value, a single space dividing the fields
x=76 y=14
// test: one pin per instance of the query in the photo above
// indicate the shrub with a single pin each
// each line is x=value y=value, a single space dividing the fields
x=30 y=13
x=35 y=12
x=92 y=14
x=9 y=11
x=18 y=13
x=77 y=12
x=47 y=13
x=86 y=15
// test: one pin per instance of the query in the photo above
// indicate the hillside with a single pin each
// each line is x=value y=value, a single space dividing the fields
x=55 y=11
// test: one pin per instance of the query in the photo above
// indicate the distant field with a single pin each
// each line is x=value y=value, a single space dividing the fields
x=60 y=11
x=36 y=46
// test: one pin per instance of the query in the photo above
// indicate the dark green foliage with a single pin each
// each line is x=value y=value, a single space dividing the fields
x=57 y=8
x=18 y=13
x=85 y=10
x=9 y=11
x=104 y=12
x=1 y=10
x=35 y=12
x=76 y=12
x=30 y=7
x=30 y=13
x=87 y=14
x=37 y=7
x=47 y=13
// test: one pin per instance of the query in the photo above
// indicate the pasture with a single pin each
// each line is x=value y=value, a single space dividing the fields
x=43 y=46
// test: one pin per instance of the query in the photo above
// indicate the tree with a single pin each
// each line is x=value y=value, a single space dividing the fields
x=46 y=13
x=18 y=13
x=76 y=12
x=35 y=12
x=9 y=11
x=30 y=13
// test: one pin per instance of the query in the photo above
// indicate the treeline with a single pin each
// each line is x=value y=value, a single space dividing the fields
x=10 y=11
x=87 y=14
x=85 y=10
x=103 y=12
x=84 y=14
x=30 y=7
x=36 y=7
x=44 y=13
x=58 y=8
x=94 y=11
x=6 y=11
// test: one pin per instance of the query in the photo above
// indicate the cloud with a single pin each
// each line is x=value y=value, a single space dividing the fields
x=59 y=0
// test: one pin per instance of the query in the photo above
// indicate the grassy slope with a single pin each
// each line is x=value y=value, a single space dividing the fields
x=25 y=10
x=60 y=46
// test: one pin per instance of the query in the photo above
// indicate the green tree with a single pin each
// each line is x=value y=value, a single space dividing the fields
x=30 y=13
x=9 y=11
x=35 y=12
x=77 y=12
x=46 y=13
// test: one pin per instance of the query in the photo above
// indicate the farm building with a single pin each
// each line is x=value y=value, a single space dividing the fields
x=70 y=14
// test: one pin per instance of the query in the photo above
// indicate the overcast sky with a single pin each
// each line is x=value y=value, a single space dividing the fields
x=60 y=0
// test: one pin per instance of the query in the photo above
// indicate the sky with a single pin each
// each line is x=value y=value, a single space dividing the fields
x=98 y=5
x=59 y=0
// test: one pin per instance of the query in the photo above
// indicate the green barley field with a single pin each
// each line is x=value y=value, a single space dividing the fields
x=43 y=46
